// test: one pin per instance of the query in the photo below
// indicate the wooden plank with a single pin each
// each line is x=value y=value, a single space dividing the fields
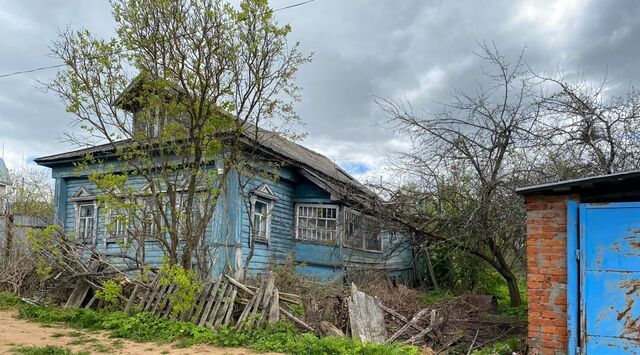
x=266 y=298
x=229 y=310
x=205 y=290
x=158 y=299
x=168 y=309
x=274 y=308
x=150 y=288
x=285 y=297
x=206 y=298
x=78 y=294
x=228 y=304
x=149 y=303
x=365 y=317
x=433 y=324
x=254 y=308
x=282 y=310
x=247 y=310
x=132 y=298
x=165 y=300
x=93 y=299
x=215 y=299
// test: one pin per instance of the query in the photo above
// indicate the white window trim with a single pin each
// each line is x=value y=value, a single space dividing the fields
x=269 y=203
x=321 y=205
x=94 y=230
x=112 y=237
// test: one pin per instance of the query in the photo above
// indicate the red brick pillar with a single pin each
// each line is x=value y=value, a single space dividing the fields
x=547 y=273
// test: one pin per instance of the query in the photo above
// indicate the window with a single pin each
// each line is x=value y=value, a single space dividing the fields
x=361 y=231
x=260 y=220
x=86 y=222
x=317 y=223
x=198 y=211
x=149 y=217
x=117 y=227
x=262 y=200
x=86 y=213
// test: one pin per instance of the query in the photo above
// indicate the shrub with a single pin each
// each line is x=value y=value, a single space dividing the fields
x=110 y=294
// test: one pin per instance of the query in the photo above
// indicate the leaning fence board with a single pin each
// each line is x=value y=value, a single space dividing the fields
x=159 y=298
x=150 y=290
x=228 y=304
x=206 y=298
x=229 y=310
x=217 y=296
x=132 y=298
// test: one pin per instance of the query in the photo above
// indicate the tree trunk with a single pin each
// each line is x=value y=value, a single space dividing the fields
x=512 y=284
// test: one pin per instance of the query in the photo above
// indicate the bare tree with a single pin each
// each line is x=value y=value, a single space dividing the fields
x=175 y=95
x=590 y=128
x=465 y=164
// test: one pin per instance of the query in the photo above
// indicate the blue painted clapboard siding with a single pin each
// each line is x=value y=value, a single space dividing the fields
x=228 y=235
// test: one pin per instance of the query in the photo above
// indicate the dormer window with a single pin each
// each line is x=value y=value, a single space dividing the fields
x=262 y=200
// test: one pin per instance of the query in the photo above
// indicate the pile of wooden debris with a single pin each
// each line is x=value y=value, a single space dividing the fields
x=228 y=302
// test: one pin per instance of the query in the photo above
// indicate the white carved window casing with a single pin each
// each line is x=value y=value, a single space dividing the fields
x=86 y=207
x=262 y=201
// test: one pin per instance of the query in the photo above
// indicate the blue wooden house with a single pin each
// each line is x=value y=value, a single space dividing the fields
x=303 y=214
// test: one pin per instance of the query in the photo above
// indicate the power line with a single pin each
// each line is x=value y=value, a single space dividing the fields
x=31 y=70
x=62 y=65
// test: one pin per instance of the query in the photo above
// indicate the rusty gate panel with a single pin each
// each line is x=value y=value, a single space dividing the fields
x=610 y=278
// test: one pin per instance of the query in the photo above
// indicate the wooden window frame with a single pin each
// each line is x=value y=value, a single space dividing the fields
x=94 y=219
x=335 y=240
x=363 y=235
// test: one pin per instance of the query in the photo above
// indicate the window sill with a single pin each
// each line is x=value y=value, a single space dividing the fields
x=364 y=250
x=261 y=240
x=328 y=243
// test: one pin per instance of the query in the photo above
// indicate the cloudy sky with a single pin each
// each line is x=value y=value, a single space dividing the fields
x=417 y=50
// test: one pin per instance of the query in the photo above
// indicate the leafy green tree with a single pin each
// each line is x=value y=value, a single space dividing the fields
x=178 y=94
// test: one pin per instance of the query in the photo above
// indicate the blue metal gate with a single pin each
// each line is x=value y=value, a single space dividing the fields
x=609 y=278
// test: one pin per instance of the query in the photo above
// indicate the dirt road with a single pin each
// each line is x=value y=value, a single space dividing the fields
x=16 y=332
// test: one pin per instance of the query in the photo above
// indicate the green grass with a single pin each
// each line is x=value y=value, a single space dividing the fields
x=143 y=327
x=45 y=350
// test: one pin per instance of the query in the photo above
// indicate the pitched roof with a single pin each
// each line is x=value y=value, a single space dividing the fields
x=315 y=164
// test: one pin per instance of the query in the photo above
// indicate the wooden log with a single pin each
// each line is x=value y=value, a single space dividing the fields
x=296 y=320
x=404 y=328
x=132 y=299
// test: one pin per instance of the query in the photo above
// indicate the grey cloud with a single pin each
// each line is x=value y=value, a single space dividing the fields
x=419 y=50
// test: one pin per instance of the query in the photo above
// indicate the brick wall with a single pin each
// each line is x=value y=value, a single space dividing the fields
x=547 y=273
